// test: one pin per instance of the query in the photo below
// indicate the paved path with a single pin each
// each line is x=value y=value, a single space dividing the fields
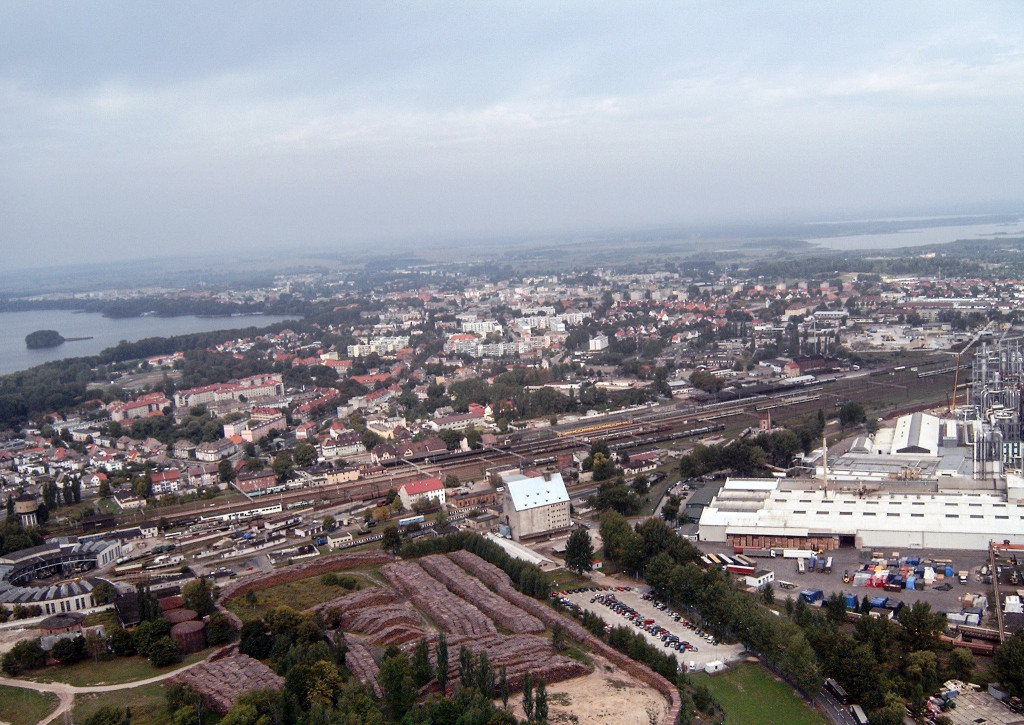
x=66 y=693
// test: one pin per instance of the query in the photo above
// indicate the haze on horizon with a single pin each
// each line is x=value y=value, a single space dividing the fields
x=146 y=129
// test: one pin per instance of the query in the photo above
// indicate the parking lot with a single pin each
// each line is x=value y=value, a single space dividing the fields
x=694 y=658
x=944 y=595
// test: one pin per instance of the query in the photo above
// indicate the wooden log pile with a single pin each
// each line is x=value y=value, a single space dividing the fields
x=518 y=654
x=450 y=612
x=504 y=614
x=351 y=603
x=360 y=663
x=498 y=579
x=223 y=681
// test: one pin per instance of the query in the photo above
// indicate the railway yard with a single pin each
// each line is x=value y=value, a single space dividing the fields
x=672 y=424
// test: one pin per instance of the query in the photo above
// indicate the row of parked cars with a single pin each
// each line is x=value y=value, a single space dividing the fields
x=563 y=597
x=678 y=618
x=647 y=624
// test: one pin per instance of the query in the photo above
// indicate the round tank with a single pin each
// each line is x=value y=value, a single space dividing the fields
x=174 y=602
x=189 y=636
x=177 y=616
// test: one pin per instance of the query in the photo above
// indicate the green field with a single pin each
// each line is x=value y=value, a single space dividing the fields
x=147 y=704
x=110 y=672
x=299 y=595
x=750 y=695
x=25 y=707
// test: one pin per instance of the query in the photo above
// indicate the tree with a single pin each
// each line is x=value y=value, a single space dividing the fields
x=395 y=678
x=198 y=596
x=25 y=655
x=921 y=627
x=579 y=551
x=421 y=669
x=466 y=668
x=255 y=639
x=104 y=592
x=225 y=471
x=768 y=594
x=670 y=509
x=558 y=636
x=1008 y=663
x=540 y=703
x=528 y=696
x=851 y=413
x=503 y=686
x=305 y=455
x=961 y=664
x=485 y=676
x=392 y=541
x=68 y=651
x=441 y=655
x=251 y=599
x=121 y=642
x=163 y=652
x=282 y=466
x=219 y=629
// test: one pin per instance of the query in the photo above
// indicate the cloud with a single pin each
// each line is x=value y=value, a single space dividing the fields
x=231 y=123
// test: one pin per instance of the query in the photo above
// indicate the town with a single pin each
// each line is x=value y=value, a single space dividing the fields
x=672 y=447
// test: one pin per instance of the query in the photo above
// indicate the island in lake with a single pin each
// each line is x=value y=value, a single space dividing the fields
x=48 y=338
x=43 y=338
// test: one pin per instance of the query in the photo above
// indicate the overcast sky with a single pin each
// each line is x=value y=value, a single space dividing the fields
x=141 y=128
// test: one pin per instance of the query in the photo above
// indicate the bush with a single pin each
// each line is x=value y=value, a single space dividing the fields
x=25 y=655
x=219 y=629
x=68 y=651
x=163 y=652
x=121 y=642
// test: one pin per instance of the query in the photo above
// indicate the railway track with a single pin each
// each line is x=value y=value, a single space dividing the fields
x=626 y=430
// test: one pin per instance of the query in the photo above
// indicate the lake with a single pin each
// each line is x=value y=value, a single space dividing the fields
x=105 y=332
x=922 y=236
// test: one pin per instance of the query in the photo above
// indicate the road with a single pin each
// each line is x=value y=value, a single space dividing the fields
x=835 y=711
x=66 y=693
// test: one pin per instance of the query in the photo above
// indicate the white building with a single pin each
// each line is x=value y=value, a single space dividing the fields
x=760 y=512
x=598 y=343
x=534 y=506
x=428 y=490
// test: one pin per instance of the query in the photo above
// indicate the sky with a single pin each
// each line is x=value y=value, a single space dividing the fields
x=139 y=129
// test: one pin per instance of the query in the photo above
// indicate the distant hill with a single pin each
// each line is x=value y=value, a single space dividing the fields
x=43 y=338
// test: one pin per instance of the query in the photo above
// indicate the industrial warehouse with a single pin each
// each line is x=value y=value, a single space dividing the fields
x=950 y=482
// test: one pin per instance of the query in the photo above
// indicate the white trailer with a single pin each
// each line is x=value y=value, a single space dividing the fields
x=797 y=553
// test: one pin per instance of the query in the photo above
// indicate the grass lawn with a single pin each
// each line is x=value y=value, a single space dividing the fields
x=106 y=618
x=110 y=672
x=147 y=703
x=564 y=579
x=25 y=707
x=750 y=694
x=298 y=595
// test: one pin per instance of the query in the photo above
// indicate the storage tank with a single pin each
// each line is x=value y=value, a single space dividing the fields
x=190 y=636
x=177 y=616
x=174 y=602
